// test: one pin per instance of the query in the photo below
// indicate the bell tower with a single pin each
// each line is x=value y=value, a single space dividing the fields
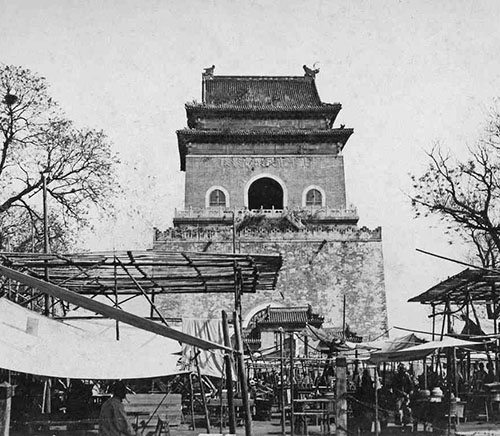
x=264 y=172
x=263 y=145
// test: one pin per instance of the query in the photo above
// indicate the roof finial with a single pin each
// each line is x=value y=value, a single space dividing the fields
x=311 y=72
x=209 y=71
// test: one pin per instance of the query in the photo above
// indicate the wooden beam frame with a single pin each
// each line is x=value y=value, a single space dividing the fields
x=108 y=311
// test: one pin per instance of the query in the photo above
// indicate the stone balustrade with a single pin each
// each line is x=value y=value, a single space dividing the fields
x=228 y=213
x=217 y=234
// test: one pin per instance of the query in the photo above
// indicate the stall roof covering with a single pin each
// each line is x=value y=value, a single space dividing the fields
x=474 y=284
x=121 y=272
x=416 y=352
x=35 y=344
x=327 y=339
x=106 y=310
x=385 y=348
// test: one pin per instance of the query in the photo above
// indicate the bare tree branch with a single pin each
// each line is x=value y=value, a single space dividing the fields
x=465 y=194
x=35 y=138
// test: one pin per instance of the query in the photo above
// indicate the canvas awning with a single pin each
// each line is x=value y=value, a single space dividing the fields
x=420 y=351
x=35 y=344
x=108 y=311
x=325 y=340
x=386 y=349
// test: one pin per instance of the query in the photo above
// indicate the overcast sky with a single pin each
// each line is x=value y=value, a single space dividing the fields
x=408 y=74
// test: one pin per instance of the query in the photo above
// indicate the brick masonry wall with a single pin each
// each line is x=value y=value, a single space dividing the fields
x=313 y=273
x=234 y=172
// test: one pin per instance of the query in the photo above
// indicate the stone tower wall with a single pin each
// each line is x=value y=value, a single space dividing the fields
x=234 y=173
x=319 y=268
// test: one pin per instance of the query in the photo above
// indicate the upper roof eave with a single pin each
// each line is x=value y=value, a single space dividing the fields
x=185 y=136
x=324 y=108
x=266 y=132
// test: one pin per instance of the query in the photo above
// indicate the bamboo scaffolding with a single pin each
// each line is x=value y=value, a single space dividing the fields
x=128 y=273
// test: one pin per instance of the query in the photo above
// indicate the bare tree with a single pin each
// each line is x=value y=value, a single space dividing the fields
x=36 y=139
x=465 y=193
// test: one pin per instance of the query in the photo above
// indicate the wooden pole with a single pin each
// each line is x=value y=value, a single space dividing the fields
x=117 y=305
x=191 y=405
x=48 y=300
x=490 y=270
x=46 y=243
x=229 y=375
x=467 y=302
x=291 y=383
x=343 y=321
x=202 y=389
x=433 y=321
x=242 y=373
x=424 y=363
x=433 y=332
x=6 y=392
x=237 y=288
x=234 y=231
x=375 y=378
x=283 y=387
x=495 y=328
x=221 y=399
x=341 y=400
x=450 y=366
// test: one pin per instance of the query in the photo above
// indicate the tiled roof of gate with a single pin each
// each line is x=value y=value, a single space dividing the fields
x=290 y=315
x=261 y=93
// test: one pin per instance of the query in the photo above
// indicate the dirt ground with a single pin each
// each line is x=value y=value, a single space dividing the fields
x=273 y=428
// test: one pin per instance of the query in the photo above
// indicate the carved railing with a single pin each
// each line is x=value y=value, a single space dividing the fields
x=228 y=213
x=312 y=232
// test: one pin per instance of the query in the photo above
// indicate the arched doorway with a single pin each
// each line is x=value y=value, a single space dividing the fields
x=265 y=193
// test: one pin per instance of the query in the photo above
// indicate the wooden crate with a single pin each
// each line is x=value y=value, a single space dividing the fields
x=141 y=407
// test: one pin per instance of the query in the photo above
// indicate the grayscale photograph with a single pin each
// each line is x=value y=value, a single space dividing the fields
x=249 y=217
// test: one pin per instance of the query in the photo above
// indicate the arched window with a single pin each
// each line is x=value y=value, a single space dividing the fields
x=217 y=198
x=314 y=198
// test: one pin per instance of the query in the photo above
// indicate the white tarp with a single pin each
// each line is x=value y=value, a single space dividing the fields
x=35 y=344
x=418 y=352
x=211 y=362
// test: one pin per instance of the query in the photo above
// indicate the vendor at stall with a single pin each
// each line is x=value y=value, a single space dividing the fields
x=402 y=386
x=113 y=419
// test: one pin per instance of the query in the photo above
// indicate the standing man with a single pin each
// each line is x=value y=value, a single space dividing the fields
x=113 y=419
x=402 y=385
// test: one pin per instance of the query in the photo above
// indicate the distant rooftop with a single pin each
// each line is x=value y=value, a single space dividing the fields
x=291 y=315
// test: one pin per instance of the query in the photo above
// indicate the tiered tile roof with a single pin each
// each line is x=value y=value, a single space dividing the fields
x=262 y=92
x=341 y=133
x=257 y=98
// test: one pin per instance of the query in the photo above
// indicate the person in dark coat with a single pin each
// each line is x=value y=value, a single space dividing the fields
x=113 y=419
x=402 y=386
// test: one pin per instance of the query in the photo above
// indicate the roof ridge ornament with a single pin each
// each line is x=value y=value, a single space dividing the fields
x=209 y=71
x=311 y=72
